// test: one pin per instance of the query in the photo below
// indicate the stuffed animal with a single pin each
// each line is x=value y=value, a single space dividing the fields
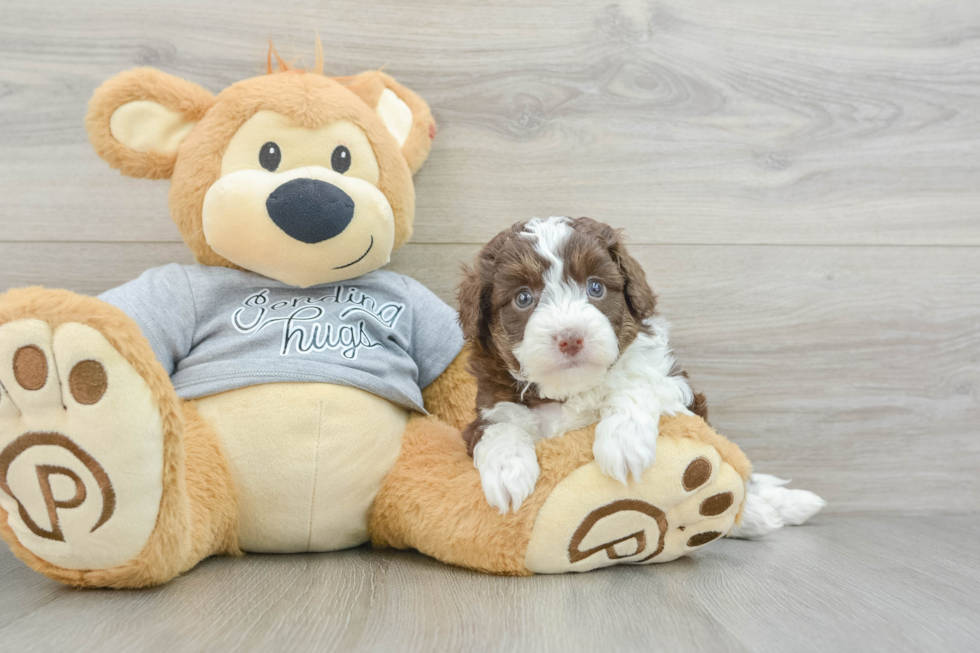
x=286 y=394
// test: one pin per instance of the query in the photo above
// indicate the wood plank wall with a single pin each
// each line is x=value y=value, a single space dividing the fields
x=801 y=181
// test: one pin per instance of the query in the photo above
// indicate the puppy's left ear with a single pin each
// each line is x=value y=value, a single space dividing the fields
x=404 y=113
x=639 y=296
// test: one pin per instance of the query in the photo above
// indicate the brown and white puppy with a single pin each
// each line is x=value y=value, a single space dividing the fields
x=564 y=334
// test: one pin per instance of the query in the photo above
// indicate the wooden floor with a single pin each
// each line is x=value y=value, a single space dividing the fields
x=858 y=582
x=801 y=180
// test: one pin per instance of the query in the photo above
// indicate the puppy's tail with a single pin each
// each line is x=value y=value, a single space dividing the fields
x=769 y=506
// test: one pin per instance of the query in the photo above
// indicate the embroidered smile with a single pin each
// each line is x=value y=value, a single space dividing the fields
x=359 y=259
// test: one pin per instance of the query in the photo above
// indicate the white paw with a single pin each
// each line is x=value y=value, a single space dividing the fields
x=81 y=447
x=508 y=467
x=795 y=507
x=625 y=445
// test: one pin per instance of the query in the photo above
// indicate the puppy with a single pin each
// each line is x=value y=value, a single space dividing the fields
x=564 y=335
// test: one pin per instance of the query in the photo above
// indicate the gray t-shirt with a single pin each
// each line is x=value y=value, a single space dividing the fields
x=216 y=329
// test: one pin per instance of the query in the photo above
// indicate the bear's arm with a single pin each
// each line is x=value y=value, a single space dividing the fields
x=452 y=396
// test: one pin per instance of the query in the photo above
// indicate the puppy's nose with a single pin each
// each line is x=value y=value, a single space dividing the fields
x=570 y=341
x=310 y=210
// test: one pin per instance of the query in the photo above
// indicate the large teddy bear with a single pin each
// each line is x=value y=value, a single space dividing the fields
x=285 y=394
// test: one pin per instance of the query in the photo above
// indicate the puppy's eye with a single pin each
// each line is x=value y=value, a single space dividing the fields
x=270 y=156
x=595 y=288
x=340 y=159
x=523 y=298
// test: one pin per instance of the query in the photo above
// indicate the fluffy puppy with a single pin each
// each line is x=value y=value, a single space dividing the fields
x=564 y=334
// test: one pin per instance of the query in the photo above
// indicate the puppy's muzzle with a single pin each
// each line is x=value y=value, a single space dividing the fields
x=310 y=210
x=570 y=341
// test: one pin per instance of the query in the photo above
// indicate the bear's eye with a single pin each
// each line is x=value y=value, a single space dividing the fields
x=340 y=159
x=270 y=156
x=595 y=289
x=523 y=298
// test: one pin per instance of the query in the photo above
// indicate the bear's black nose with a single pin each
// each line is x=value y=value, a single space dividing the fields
x=310 y=210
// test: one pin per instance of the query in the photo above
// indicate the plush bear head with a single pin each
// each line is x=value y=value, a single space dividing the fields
x=299 y=177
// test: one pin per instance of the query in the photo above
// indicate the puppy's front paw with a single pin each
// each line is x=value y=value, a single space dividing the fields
x=508 y=472
x=625 y=445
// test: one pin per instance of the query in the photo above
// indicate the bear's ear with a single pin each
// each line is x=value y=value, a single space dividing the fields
x=404 y=113
x=138 y=119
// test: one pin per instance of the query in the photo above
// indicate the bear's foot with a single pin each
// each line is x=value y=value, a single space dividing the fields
x=81 y=449
x=688 y=498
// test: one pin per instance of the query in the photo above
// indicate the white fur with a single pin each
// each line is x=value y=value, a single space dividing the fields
x=505 y=455
x=628 y=401
x=758 y=519
x=625 y=392
x=795 y=507
x=769 y=506
x=562 y=306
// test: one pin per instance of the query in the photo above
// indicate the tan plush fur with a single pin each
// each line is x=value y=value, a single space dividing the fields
x=309 y=99
x=369 y=85
x=411 y=510
x=186 y=98
x=198 y=513
x=452 y=396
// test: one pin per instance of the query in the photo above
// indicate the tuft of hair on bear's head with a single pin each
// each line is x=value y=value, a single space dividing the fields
x=283 y=66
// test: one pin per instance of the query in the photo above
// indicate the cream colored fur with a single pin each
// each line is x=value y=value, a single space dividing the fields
x=126 y=413
x=147 y=126
x=308 y=458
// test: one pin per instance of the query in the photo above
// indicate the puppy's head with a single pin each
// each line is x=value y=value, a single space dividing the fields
x=555 y=302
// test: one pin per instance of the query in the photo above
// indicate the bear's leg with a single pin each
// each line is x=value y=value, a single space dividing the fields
x=107 y=479
x=576 y=519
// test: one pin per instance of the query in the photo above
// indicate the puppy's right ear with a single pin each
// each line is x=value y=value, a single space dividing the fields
x=470 y=297
x=475 y=293
x=138 y=119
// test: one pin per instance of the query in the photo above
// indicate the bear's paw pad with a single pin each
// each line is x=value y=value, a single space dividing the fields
x=81 y=446
x=687 y=499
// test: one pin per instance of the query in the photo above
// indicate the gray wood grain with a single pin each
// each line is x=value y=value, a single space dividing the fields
x=685 y=122
x=852 y=370
x=803 y=182
x=878 y=582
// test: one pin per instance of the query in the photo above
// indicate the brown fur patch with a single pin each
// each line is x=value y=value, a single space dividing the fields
x=494 y=325
x=590 y=253
x=642 y=302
